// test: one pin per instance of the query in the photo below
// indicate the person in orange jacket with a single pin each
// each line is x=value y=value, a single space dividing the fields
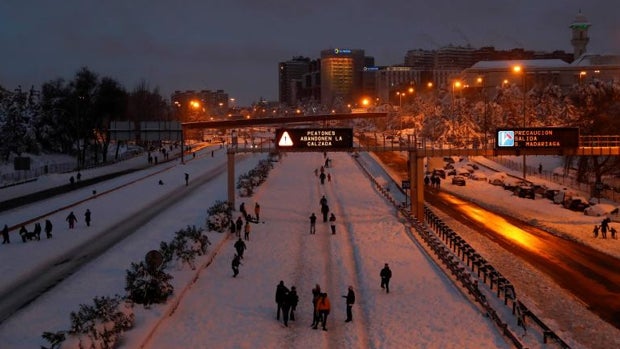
x=323 y=307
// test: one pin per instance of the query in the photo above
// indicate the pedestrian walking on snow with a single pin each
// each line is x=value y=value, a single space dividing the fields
x=242 y=209
x=350 y=298
x=240 y=247
x=325 y=211
x=316 y=295
x=386 y=275
x=595 y=231
x=332 y=223
x=239 y=226
x=246 y=231
x=48 y=228
x=236 y=262
x=293 y=299
x=312 y=223
x=281 y=294
x=87 y=217
x=233 y=227
x=323 y=307
x=257 y=211
x=5 y=235
x=72 y=219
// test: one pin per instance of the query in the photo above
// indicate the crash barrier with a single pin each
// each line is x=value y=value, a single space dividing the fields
x=464 y=256
x=468 y=267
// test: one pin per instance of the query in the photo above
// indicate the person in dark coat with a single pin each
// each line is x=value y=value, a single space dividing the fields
x=239 y=224
x=386 y=275
x=605 y=227
x=242 y=209
x=37 y=230
x=316 y=294
x=5 y=235
x=332 y=223
x=236 y=262
x=233 y=227
x=325 y=211
x=293 y=299
x=48 y=229
x=286 y=308
x=23 y=232
x=71 y=218
x=350 y=297
x=240 y=247
x=87 y=217
x=323 y=201
x=312 y=223
x=281 y=294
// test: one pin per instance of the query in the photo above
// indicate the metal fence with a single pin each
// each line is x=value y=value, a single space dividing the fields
x=22 y=176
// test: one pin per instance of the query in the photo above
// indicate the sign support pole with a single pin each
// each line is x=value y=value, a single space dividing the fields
x=231 y=176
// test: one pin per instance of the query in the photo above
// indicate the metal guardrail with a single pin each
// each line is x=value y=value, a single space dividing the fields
x=463 y=262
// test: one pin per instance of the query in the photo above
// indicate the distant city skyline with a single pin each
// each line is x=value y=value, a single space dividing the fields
x=236 y=45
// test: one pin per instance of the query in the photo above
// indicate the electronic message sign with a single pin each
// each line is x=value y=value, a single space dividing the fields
x=314 y=138
x=537 y=137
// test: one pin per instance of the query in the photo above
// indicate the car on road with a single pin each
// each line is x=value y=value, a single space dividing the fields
x=458 y=180
x=599 y=210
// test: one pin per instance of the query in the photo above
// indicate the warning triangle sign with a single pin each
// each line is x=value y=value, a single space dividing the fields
x=285 y=140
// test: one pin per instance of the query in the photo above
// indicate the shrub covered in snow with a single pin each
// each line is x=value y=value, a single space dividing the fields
x=219 y=216
x=97 y=326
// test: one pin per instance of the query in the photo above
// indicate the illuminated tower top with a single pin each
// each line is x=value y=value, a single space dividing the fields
x=580 y=37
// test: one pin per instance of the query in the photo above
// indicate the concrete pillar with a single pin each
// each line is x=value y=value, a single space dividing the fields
x=231 y=176
x=416 y=169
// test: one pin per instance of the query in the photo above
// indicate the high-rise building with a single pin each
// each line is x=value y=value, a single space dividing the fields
x=341 y=75
x=580 y=37
x=291 y=79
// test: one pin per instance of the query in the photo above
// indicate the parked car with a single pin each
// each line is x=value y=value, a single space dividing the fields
x=576 y=203
x=551 y=193
x=478 y=176
x=458 y=180
x=599 y=210
x=498 y=178
x=525 y=191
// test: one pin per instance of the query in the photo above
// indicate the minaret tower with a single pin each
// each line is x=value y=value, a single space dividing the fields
x=580 y=35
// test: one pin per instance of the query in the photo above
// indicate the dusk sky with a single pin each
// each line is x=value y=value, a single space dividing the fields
x=235 y=45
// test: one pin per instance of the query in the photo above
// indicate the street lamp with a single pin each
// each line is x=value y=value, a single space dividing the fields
x=520 y=70
x=582 y=75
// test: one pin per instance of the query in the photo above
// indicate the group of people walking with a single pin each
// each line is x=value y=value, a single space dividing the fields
x=35 y=234
x=287 y=300
x=235 y=228
x=325 y=212
x=604 y=228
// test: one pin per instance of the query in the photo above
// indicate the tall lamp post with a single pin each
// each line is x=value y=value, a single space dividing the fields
x=520 y=70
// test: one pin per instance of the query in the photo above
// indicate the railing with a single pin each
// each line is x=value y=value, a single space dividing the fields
x=468 y=267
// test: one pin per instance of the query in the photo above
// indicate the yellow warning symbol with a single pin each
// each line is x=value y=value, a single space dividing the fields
x=285 y=140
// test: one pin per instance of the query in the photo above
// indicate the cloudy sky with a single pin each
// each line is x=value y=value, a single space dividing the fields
x=235 y=45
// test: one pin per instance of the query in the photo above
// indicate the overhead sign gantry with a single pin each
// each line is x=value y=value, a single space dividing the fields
x=314 y=138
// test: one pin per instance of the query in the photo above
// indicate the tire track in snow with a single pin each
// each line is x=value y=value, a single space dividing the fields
x=344 y=256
